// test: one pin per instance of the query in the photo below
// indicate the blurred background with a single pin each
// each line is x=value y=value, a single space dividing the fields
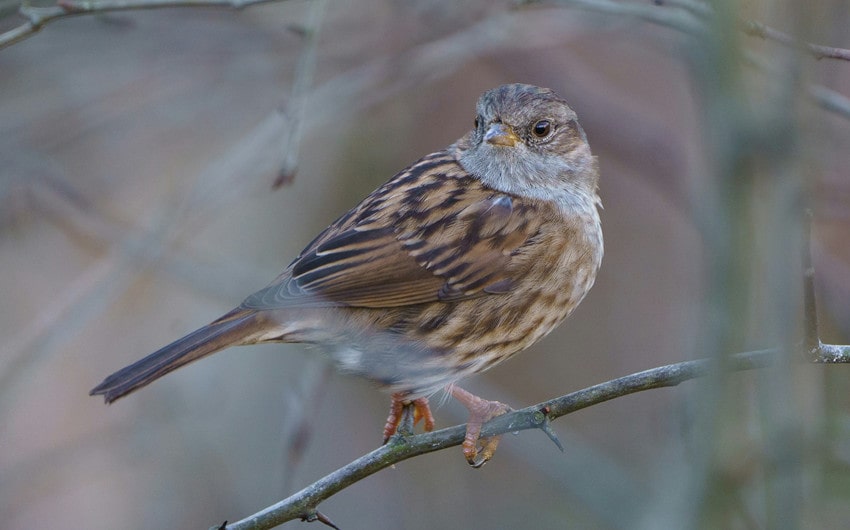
x=138 y=159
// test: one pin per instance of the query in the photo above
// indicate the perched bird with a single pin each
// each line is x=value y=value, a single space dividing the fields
x=461 y=260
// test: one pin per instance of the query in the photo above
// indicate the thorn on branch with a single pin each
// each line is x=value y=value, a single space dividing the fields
x=542 y=417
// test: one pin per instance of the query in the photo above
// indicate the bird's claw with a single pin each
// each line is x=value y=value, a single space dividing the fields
x=398 y=405
x=480 y=412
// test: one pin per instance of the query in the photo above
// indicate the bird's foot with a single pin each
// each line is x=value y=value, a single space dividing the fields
x=421 y=411
x=478 y=450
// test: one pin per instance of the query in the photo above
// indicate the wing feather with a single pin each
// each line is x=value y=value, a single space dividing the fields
x=432 y=233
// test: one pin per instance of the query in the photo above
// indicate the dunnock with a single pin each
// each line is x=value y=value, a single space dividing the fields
x=463 y=259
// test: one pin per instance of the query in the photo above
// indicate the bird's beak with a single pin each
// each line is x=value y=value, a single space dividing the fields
x=501 y=134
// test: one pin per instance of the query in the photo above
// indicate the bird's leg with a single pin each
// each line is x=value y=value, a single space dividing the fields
x=421 y=411
x=480 y=412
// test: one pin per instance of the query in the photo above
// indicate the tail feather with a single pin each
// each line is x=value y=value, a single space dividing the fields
x=229 y=330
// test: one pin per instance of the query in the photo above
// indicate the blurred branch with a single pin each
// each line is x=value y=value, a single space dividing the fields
x=679 y=19
x=688 y=17
x=818 y=352
x=302 y=505
x=696 y=7
x=757 y=29
x=294 y=108
x=810 y=310
x=830 y=100
x=38 y=17
x=303 y=409
x=763 y=31
x=25 y=348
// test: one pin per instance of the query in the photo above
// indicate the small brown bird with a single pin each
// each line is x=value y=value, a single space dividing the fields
x=463 y=259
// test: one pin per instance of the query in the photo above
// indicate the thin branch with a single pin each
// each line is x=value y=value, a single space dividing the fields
x=38 y=17
x=818 y=51
x=303 y=505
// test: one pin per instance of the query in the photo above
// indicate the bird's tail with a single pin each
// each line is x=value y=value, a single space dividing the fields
x=230 y=330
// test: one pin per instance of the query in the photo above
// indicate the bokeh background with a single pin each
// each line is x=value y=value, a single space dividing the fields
x=137 y=159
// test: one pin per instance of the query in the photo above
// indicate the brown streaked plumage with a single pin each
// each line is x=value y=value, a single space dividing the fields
x=463 y=259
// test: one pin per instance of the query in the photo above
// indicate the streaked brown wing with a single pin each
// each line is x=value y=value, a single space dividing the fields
x=431 y=233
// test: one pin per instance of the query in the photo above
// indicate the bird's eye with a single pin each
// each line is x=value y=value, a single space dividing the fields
x=542 y=128
x=476 y=122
